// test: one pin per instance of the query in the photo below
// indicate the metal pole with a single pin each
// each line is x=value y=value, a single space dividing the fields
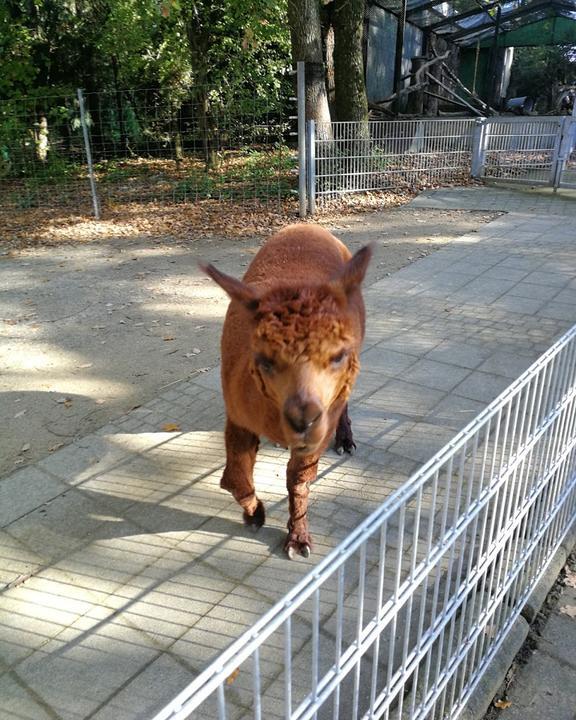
x=301 y=99
x=311 y=152
x=95 y=203
x=478 y=148
x=562 y=150
x=401 y=19
x=494 y=90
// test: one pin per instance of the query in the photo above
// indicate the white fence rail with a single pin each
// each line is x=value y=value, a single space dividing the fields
x=380 y=155
x=401 y=620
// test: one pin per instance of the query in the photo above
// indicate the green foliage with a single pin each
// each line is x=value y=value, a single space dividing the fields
x=246 y=173
x=537 y=71
x=204 y=73
x=16 y=40
x=175 y=45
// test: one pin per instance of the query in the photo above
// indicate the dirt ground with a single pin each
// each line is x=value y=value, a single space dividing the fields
x=90 y=330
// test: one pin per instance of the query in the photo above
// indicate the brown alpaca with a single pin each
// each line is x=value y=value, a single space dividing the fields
x=290 y=347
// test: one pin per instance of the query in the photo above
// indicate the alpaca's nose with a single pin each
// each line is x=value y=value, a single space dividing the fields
x=301 y=414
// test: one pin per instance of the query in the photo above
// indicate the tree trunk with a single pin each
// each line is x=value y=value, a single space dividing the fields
x=351 y=102
x=198 y=34
x=119 y=104
x=306 y=35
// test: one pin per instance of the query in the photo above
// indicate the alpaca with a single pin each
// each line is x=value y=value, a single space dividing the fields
x=290 y=356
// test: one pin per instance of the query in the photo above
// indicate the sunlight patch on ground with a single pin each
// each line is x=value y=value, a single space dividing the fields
x=85 y=387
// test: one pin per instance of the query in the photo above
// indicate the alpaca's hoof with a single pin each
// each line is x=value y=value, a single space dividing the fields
x=345 y=445
x=257 y=519
x=294 y=547
x=293 y=552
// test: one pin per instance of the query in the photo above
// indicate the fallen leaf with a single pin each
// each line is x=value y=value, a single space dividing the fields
x=502 y=704
x=22 y=412
x=20 y=580
x=55 y=447
x=25 y=448
x=167 y=338
x=570 y=579
x=85 y=365
x=490 y=631
x=171 y=427
x=569 y=610
x=233 y=675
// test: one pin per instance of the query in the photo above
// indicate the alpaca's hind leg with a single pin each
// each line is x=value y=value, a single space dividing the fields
x=238 y=479
x=301 y=472
x=344 y=439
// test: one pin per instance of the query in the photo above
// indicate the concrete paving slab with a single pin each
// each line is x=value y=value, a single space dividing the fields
x=19 y=701
x=140 y=566
x=544 y=691
x=25 y=491
x=558 y=636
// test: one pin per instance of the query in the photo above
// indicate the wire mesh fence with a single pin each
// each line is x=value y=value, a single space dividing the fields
x=521 y=149
x=42 y=154
x=415 y=154
x=403 y=618
x=144 y=148
x=393 y=154
x=115 y=148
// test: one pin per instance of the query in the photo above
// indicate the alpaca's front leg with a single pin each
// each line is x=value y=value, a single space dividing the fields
x=238 y=477
x=301 y=472
x=344 y=442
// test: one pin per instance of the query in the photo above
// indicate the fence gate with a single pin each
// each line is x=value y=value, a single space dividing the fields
x=346 y=157
x=534 y=151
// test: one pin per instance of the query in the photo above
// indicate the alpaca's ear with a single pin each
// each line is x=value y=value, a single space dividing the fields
x=236 y=289
x=354 y=271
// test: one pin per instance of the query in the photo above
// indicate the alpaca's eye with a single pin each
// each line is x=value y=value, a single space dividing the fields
x=264 y=363
x=338 y=359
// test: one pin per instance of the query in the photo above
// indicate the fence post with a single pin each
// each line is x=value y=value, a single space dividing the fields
x=562 y=150
x=95 y=203
x=301 y=99
x=311 y=165
x=478 y=148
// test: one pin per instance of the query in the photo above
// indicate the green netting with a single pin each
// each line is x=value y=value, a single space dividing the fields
x=549 y=31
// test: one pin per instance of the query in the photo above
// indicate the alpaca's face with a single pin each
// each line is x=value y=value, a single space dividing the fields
x=304 y=390
x=305 y=355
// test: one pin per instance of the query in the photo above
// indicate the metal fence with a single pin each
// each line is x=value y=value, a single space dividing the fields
x=402 y=619
x=520 y=149
x=111 y=149
x=383 y=155
x=391 y=154
x=87 y=150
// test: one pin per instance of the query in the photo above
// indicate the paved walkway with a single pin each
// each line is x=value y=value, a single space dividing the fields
x=545 y=687
x=125 y=569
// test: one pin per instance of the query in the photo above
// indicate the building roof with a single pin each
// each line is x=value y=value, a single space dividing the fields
x=511 y=22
